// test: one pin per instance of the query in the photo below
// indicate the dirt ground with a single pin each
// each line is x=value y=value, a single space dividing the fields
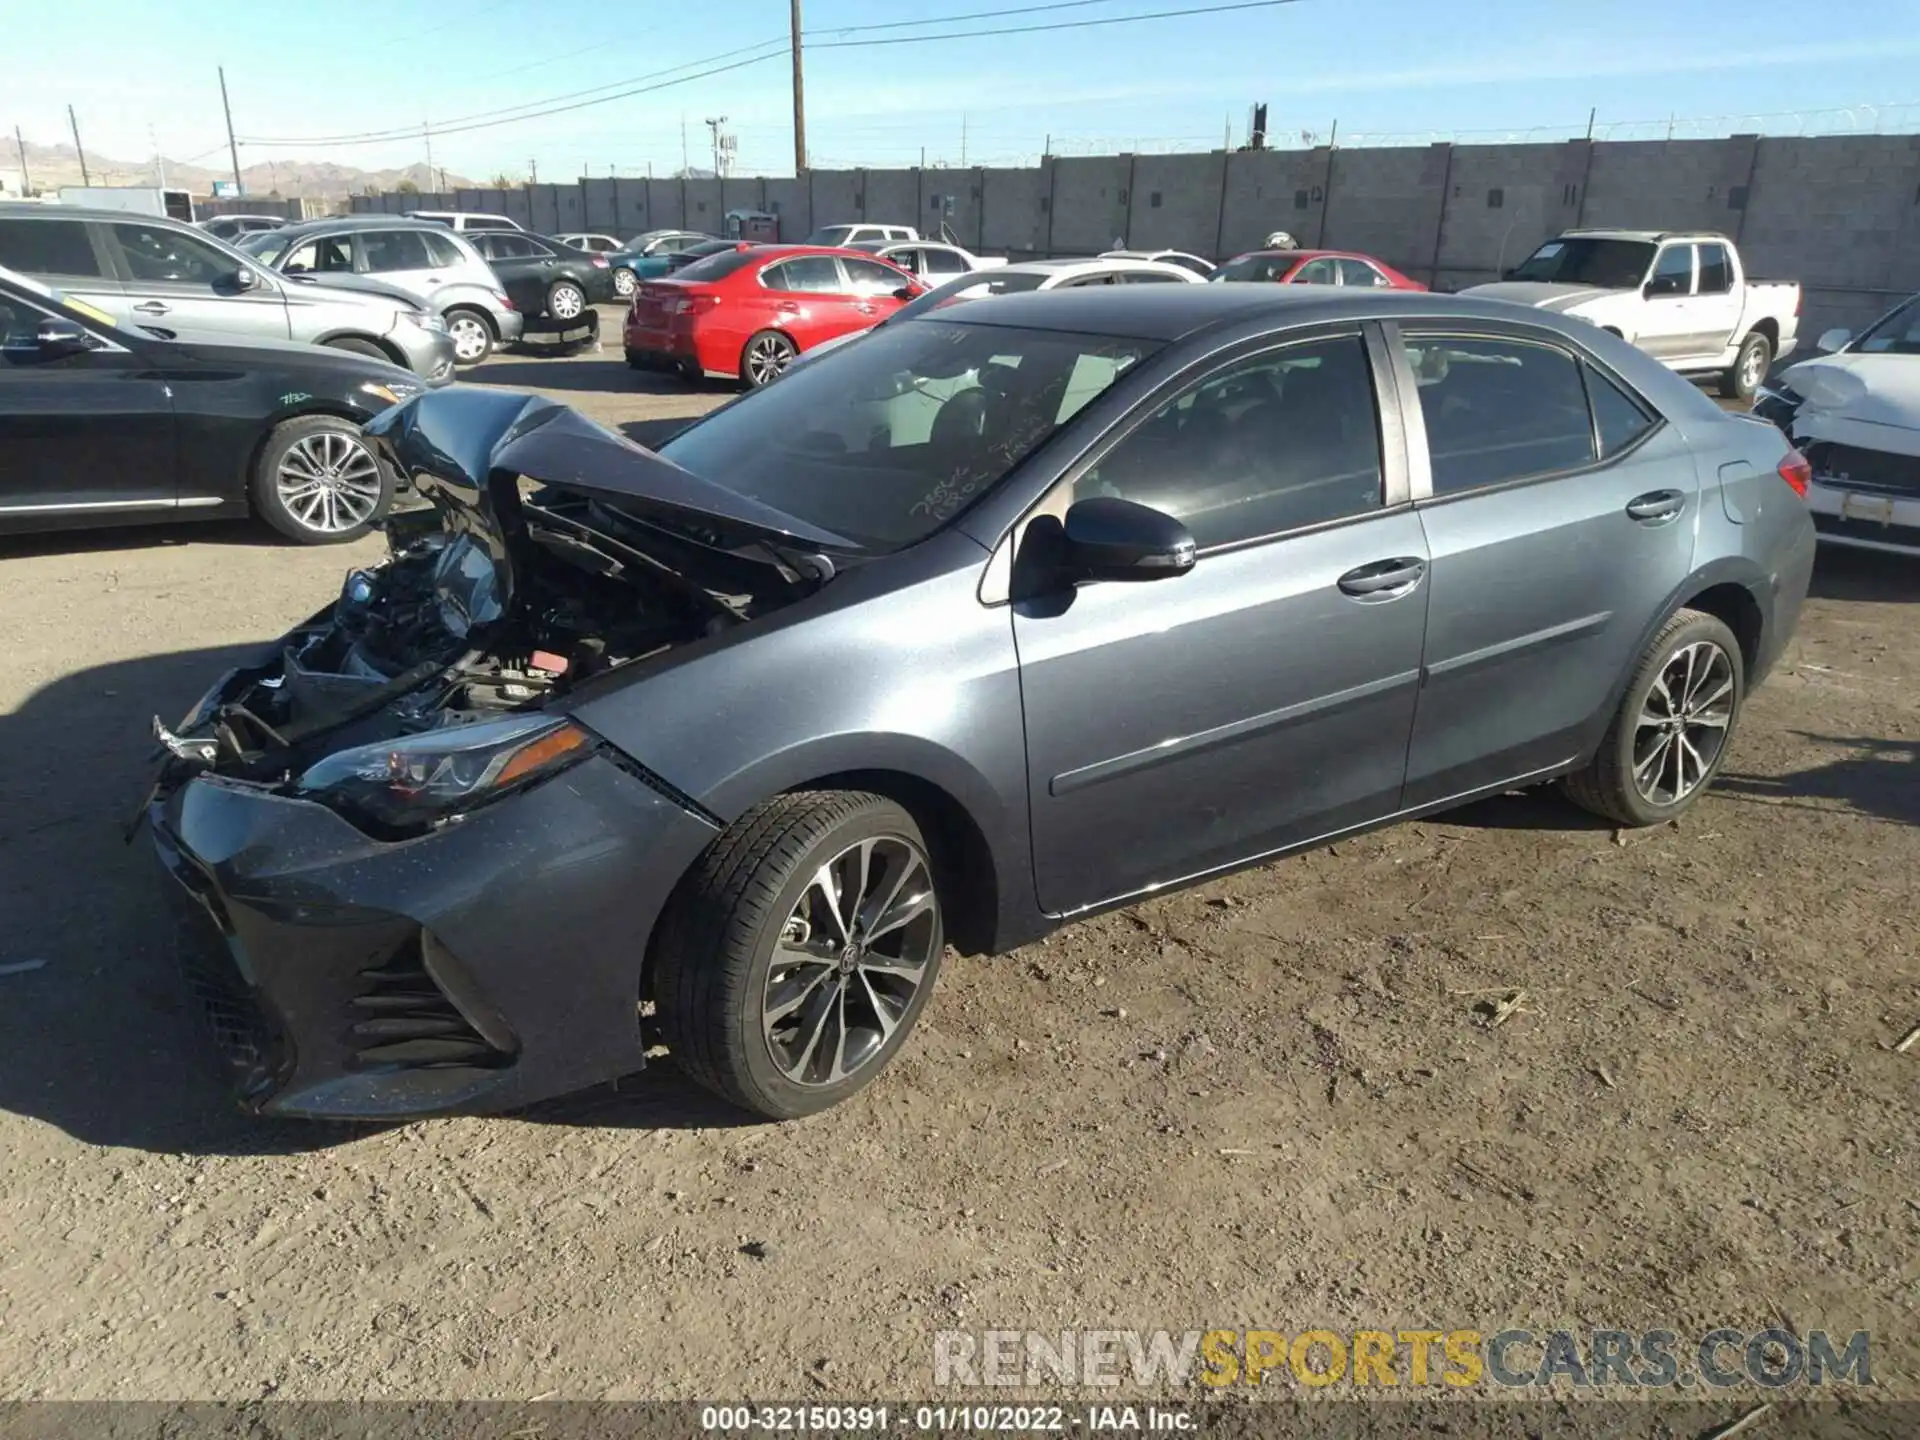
x=1271 y=1102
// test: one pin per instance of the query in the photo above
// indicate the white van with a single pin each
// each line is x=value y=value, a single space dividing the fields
x=466 y=219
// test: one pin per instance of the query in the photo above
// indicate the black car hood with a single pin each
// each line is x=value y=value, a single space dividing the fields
x=466 y=449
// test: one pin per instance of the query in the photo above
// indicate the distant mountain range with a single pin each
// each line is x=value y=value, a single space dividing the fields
x=51 y=166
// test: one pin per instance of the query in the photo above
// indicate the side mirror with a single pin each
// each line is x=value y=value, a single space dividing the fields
x=57 y=339
x=245 y=279
x=906 y=292
x=1833 y=341
x=1508 y=273
x=1112 y=539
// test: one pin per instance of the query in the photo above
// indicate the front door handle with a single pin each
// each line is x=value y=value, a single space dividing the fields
x=152 y=307
x=1656 y=507
x=1383 y=579
x=787 y=307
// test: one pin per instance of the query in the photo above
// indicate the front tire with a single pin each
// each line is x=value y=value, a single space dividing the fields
x=623 y=283
x=1670 y=735
x=318 y=482
x=797 y=954
x=566 y=300
x=764 y=359
x=1742 y=379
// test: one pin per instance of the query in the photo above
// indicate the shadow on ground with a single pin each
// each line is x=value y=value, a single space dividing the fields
x=105 y=540
x=604 y=374
x=1873 y=776
x=1870 y=575
x=99 y=1035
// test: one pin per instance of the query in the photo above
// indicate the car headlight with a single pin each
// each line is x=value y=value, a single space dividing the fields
x=416 y=781
x=392 y=391
x=425 y=320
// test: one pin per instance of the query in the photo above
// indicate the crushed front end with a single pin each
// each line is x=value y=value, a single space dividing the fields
x=411 y=882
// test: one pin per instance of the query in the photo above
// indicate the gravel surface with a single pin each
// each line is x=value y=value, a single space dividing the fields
x=1274 y=1101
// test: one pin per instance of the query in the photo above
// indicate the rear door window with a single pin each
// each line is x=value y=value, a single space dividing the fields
x=804 y=275
x=1499 y=409
x=320 y=255
x=1716 y=271
x=395 y=250
x=48 y=247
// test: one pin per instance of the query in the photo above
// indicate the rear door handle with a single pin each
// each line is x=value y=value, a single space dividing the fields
x=152 y=307
x=788 y=307
x=1383 y=579
x=1656 y=506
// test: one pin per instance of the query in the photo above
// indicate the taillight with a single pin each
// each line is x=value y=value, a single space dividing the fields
x=696 y=304
x=1797 y=471
x=506 y=301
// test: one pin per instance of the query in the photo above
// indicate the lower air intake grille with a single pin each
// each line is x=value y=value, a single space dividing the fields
x=403 y=1020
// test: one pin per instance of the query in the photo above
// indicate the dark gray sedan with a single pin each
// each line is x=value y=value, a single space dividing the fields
x=1011 y=613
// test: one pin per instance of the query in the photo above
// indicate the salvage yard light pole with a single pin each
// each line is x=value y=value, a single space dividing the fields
x=233 y=150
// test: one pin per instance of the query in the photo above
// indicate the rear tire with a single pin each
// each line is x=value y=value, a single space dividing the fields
x=566 y=300
x=317 y=481
x=1671 y=733
x=355 y=346
x=764 y=358
x=1741 y=379
x=784 y=975
x=624 y=283
x=472 y=336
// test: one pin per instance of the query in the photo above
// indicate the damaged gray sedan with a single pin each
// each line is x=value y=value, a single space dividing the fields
x=1002 y=617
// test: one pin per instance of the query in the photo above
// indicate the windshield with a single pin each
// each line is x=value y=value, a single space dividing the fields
x=830 y=235
x=1897 y=333
x=1256 y=267
x=976 y=286
x=1609 y=264
x=715 y=267
x=905 y=430
x=264 y=245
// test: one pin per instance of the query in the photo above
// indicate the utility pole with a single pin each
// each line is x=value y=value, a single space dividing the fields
x=533 y=171
x=714 y=122
x=159 y=160
x=233 y=150
x=963 y=139
x=685 y=163
x=426 y=133
x=799 y=98
x=78 y=148
x=26 y=181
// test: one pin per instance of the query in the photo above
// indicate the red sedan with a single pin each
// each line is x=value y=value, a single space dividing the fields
x=1315 y=267
x=745 y=314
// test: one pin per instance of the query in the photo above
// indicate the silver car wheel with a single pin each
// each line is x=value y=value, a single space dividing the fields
x=1753 y=367
x=623 y=283
x=566 y=302
x=850 y=960
x=329 y=482
x=767 y=359
x=470 y=338
x=1683 y=723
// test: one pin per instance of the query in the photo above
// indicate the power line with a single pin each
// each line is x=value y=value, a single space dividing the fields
x=1056 y=25
x=539 y=109
x=957 y=19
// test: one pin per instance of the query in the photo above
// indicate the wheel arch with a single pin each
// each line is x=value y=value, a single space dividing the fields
x=319 y=405
x=392 y=352
x=476 y=309
x=1730 y=590
x=1768 y=326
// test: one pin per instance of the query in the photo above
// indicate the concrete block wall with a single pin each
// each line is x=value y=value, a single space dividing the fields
x=1839 y=213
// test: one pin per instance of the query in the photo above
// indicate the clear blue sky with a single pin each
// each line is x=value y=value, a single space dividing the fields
x=143 y=71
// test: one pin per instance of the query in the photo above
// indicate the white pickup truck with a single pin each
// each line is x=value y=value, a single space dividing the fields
x=1685 y=299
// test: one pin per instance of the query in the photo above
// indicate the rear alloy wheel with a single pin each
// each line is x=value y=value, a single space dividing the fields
x=1749 y=368
x=317 y=481
x=765 y=358
x=566 y=300
x=623 y=283
x=471 y=335
x=1670 y=735
x=799 y=952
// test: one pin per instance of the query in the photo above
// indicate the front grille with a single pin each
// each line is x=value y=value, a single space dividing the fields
x=403 y=1020
x=1848 y=467
x=239 y=1027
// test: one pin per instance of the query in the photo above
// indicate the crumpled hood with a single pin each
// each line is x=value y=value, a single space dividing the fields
x=1873 y=389
x=465 y=449
x=1540 y=294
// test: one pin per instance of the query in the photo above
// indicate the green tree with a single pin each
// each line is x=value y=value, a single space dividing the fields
x=406 y=187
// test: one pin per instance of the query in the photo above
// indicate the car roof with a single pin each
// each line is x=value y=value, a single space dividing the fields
x=1172 y=312
x=32 y=209
x=1646 y=236
x=361 y=222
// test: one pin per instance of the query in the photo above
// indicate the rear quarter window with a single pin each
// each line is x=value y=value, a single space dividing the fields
x=48 y=247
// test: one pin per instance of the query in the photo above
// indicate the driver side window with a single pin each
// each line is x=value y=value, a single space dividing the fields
x=1275 y=442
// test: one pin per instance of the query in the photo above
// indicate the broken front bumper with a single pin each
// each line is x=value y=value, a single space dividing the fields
x=491 y=963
